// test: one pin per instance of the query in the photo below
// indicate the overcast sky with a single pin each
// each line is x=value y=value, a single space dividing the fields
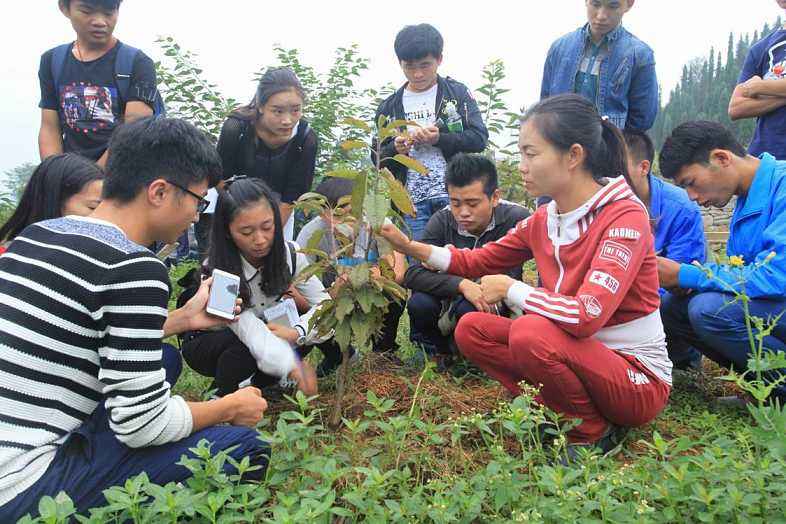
x=234 y=38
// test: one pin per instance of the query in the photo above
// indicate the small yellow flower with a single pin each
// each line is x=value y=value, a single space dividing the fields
x=736 y=261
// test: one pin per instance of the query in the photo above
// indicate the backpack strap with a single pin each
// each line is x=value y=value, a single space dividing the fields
x=59 y=55
x=124 y=67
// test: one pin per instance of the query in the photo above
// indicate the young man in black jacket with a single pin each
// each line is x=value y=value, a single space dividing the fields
x=474 y=217
x=448 y=117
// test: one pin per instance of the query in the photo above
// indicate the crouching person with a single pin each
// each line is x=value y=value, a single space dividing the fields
x=591 y=338
x=85 y=393
x=474 y=217
x=248 y=240
x=706 y=159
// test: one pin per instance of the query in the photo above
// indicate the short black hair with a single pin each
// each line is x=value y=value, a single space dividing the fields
x=640 y=145
x=151 y=148
x=418 y=41
x=692 y=142
x=465 y=169
x=109 y=5
x=333 y=188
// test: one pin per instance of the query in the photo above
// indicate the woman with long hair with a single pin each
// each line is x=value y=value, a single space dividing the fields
x=61 y=185
x=591 y=337
x=269 y=139
x=247 y=240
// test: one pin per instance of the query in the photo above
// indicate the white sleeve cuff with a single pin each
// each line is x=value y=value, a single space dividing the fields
x=439 y=258
x=518 y=294
x=274 y=356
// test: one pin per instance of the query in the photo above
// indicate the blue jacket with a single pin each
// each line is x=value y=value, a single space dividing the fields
x=627 y=87
x=679 y=228
x=758 y=228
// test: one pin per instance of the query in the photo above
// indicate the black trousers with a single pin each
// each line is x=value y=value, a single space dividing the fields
x=221 y=355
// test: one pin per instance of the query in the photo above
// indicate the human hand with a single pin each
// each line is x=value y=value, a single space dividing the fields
x=197 y=316
x=306 y=378
x=398 y=240
x=246 y=406
x=430 y=135
x=474 y=295
x=285 y=333
x=403 y=144
x=751 y=87
x=668 y=273
x=495 y=287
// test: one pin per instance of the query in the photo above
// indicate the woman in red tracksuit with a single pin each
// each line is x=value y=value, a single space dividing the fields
x=591 y=338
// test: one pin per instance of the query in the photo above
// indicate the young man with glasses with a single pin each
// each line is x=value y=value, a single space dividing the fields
x=85 y=391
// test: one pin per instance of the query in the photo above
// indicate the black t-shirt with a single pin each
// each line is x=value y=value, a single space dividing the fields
x=87 y=98
x=288 y=170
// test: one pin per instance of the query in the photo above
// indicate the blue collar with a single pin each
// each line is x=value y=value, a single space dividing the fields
x=656 y=198
x=609 y=37
x=759 y=192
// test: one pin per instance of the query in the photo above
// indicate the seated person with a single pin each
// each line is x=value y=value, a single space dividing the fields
x=676 y=221
x=333 y=189
x=474 y=217
x=591 y=339
x=248 y=241
x=706 y=159
x=86 y=388
x=61 y=185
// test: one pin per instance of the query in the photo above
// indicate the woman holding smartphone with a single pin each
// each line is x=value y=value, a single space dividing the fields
x=269 y=139
x=247 y=241
x=591 y=337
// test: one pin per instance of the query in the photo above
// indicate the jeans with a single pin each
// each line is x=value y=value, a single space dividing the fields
x=424 y=311
x=424 y=209
x=713 y=325
x=92 y=459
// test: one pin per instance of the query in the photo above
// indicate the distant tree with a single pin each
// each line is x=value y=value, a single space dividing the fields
x=705 y=88
x=16 y=180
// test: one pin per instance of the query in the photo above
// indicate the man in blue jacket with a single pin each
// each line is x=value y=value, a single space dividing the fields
x=607 y=65
x=712 y=166
x=679 y=228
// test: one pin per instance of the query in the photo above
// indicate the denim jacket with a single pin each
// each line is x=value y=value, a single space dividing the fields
x=627 y=87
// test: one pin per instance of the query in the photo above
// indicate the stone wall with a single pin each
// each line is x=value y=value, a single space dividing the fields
x=718 y=219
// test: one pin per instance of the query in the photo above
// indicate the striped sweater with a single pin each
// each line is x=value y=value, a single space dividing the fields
x=82 y=310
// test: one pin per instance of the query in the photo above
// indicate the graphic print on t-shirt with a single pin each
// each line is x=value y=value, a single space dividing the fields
x=777 y=64
x=420 y=108
x=87 y=108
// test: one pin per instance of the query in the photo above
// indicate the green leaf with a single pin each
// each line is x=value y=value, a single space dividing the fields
x=349 y=145
x=411 y=163
x=316 y=238
x=365 y=300
x=359 y=276
x=359 y=196
x=398 y=194
x=356 y=122
x=360 y=329
x=343 y=173
x=344 y=306
x=343 y=334
x=377 y=207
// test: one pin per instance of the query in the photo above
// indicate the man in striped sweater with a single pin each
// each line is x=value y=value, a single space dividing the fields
x=85 y=382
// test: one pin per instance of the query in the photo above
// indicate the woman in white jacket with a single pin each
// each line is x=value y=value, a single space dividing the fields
x=247 y=240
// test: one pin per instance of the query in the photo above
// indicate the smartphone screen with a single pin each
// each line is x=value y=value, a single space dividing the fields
x=223 y=294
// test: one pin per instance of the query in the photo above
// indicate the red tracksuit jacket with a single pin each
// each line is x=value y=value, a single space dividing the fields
x=597 y=267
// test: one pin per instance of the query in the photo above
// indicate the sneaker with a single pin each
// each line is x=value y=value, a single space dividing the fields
x=611 y=440
x=330 y=365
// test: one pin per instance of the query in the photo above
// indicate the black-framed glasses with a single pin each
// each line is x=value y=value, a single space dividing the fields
x=202 y=203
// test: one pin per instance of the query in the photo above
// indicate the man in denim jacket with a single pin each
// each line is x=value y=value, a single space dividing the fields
x=706 y=160
x=606 y=64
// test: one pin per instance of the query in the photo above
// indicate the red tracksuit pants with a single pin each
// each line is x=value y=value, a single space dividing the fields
x=578 y=378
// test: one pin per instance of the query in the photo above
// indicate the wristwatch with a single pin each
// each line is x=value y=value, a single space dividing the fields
x=301 y=339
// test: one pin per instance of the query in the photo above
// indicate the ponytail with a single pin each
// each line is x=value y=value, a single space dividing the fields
x=565 y=120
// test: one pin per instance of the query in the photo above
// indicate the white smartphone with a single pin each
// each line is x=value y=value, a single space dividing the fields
x=223 y=294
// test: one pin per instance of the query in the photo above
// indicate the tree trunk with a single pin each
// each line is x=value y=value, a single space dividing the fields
x=341 y=383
